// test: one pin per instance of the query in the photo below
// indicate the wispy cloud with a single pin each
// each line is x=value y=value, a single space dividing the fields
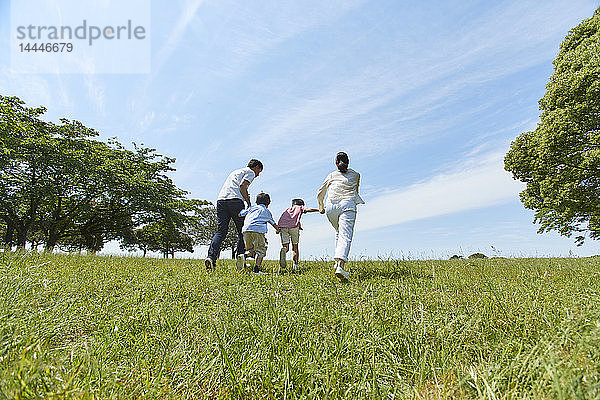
x=146 y=121
x=33 y=89
x=478 y=183
x=95 y=92
x=377 y=101
x=185 y=18
x=248 y=30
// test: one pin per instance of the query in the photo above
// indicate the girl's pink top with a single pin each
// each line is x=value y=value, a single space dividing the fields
x=291 y=217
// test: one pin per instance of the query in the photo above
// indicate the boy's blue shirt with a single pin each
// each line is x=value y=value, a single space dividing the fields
x=257 y=218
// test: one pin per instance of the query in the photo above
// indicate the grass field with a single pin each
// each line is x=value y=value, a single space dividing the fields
x=100 y=327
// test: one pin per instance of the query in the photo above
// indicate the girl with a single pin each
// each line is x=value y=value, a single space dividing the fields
x=289 y=226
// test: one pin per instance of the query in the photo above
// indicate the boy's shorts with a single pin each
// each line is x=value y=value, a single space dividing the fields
x=290 y=233
x=255 y=243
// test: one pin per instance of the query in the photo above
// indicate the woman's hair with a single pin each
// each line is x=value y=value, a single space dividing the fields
x=297 y=202
x=342 y=161
x=263 y=198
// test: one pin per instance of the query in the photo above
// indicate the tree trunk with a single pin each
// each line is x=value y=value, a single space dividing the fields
x=21 y=236
x=9 y=236
x=53 y=230
x=52 y=239
x=96 y=244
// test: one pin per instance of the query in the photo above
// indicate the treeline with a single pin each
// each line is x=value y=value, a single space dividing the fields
x=62 y=188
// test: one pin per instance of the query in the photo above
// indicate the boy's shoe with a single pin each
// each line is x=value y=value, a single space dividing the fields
x=282 y=262
x=240 y=262
x=343 y=275
x=209 y=263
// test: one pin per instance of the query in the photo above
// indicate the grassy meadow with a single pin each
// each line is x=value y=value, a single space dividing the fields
x=108 y=327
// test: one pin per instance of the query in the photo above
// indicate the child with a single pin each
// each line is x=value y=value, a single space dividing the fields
x=289 y=226
x=254 y=230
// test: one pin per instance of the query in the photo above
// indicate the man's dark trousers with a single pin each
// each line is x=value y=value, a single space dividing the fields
x=227 y=210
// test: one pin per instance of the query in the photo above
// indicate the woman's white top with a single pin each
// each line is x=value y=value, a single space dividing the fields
x=341 y=185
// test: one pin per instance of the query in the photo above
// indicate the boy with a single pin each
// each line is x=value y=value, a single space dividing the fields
x=289 y=226
x=254 y=230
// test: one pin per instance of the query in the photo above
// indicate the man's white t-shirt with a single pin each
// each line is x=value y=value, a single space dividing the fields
x=231 y=187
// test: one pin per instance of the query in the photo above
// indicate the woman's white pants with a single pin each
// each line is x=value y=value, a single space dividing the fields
x=342 y=216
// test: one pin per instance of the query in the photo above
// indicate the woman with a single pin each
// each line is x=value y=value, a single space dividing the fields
x=341 y=208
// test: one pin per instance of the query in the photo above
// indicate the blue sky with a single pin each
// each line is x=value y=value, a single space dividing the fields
x=425 y=97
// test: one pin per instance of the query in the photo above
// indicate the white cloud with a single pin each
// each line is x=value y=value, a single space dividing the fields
x=33 y=89
x=186 y=16
x=248 y=30
x=95 y=92
x=146 y=121
x=477 y=183
x=377 y=103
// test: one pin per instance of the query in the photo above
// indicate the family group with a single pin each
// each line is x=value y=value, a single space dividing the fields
x=341 y=189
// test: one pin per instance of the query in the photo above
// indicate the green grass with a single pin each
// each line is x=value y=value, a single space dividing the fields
x=100 y=327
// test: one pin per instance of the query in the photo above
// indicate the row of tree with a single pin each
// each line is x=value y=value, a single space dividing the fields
x=61 y=187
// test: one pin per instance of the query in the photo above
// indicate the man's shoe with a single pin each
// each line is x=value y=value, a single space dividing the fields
x=209 y=263
x=240 y=262
x=343 y=275
x=282 y=262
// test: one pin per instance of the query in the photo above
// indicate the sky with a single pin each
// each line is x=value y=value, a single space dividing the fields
x=425 y=97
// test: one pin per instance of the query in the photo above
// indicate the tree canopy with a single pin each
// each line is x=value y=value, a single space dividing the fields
x=60 y=186
x=560 y=160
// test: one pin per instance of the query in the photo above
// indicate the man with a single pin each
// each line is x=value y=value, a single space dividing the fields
x=229 y=204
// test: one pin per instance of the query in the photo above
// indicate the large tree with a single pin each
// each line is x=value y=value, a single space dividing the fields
x=560 y=160
x=61 y=187
x=24 y=167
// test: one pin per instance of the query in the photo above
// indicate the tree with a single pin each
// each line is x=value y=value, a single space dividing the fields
x=560 y=160
x=24 y=167
x=60 y=186
x=206 y=227
x=176 y=227
x=163 y=236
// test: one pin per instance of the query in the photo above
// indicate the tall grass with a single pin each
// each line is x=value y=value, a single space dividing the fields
x=101 y=327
